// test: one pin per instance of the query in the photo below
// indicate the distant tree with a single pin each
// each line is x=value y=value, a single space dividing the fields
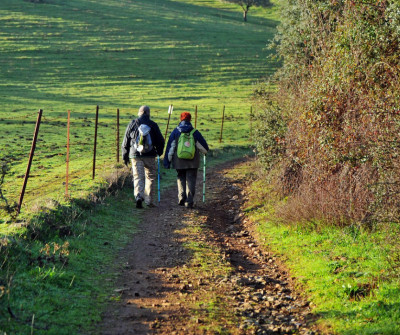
x=247 y=4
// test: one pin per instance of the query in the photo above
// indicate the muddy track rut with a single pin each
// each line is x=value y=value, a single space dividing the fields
x=202 y=271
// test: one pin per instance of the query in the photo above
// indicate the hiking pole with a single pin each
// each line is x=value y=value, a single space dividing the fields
x=204 y=178
x=158 y=178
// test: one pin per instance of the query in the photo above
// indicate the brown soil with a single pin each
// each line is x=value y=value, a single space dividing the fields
x=202 y=271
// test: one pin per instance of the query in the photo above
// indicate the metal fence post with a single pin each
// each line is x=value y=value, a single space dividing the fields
x=32 y=152
x=170 y=109
x=95 y=142
x=195 y=117
x=251 y=121
x=67 y=159
x=118 y=135
x=222 y=124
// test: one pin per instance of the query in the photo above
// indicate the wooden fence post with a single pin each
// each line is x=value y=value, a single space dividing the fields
x=95 y=142
x=67 y=159
x=170 y=109
x=35 y=135
x=222 y=124
x=118 y=135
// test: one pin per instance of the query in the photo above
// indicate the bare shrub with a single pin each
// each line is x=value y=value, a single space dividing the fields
x=341 y=199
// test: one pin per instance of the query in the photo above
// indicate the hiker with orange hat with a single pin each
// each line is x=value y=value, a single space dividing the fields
x=183 y=151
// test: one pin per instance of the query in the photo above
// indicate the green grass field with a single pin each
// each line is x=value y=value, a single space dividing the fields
x=74 y=55
x=56 y=274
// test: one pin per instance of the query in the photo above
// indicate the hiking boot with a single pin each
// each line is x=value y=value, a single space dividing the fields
x=189 y=204
x=181 y=202
x=139 y=203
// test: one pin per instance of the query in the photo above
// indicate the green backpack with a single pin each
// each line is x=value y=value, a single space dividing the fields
x=186 y=145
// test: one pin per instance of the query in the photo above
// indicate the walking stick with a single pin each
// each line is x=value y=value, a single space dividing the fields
x=158 y=177
x=204 y=178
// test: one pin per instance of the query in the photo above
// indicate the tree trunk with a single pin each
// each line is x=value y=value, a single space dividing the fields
x=245 y=15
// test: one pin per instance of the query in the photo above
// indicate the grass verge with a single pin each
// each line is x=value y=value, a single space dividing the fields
x=54 y=284
x=347 y=273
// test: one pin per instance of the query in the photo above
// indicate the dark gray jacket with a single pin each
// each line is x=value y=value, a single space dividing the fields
x=131 y=134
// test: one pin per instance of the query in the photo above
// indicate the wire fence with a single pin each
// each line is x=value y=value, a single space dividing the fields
x=61 y=159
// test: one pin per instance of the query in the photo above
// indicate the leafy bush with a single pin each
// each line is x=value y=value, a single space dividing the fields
x=339 y=89
x=269 y=135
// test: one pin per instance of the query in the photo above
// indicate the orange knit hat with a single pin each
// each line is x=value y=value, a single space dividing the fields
x=186 y=116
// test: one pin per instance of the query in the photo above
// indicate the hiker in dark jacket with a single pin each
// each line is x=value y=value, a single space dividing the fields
x=142 y=154
x=186 y=168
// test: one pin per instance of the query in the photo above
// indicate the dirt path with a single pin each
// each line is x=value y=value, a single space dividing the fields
x=201 y=271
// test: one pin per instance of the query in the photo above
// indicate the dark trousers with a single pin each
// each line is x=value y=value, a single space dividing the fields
x=186 y=185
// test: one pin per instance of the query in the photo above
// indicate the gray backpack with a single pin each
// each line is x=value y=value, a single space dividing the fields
x=143 y=143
